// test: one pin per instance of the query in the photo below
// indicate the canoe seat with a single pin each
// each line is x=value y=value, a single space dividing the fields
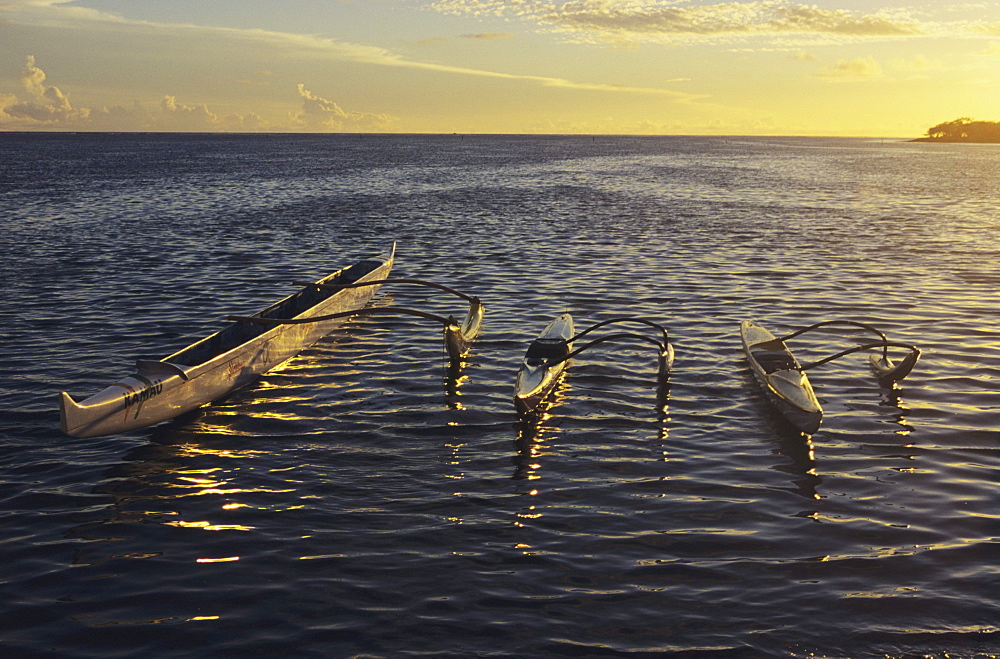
x=774 y=360
x=547 y=349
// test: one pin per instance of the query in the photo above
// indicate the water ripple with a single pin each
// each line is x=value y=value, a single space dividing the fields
x=359 y=500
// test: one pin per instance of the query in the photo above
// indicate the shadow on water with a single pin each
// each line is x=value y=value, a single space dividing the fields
x=793 y=445
x=799 y=449
x=535 y=432
x=892 y=399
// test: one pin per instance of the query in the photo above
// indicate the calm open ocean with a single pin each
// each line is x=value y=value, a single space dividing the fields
x=357 y=502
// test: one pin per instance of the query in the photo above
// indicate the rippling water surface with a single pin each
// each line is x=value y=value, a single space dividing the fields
x=358 y=501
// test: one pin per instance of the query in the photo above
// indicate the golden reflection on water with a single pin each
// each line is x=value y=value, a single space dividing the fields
x=168 y=478
x=208 y=526
x=200 y=487
x=530 y=446
x=216 y=425
x=195 y=450
x=454 y=380
x=531 y=512
x=455 y=459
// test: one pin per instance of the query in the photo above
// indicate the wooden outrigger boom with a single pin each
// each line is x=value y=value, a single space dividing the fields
x=458 y=337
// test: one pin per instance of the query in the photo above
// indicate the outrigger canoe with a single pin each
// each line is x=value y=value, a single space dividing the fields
x=538 y=375
x=781 y=377
x=225 y=361
x=784 y=380
x=548 y=356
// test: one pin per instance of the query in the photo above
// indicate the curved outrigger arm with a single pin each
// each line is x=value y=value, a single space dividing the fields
x=452 y=329
x=855 y=323
x=457 y=339
x=631 y=319
x=884 y=369
x=664 y=360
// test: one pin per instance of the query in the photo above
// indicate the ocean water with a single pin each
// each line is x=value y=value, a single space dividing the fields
x=359 y=501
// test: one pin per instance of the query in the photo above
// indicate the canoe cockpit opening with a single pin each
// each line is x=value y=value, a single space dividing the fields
x=546 y=350
x=774 y=360
x=290 y=307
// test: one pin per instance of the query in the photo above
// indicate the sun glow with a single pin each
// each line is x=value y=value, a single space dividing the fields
x=444 y=66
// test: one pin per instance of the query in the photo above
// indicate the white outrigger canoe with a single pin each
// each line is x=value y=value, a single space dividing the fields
x=549 y=355
x=225 y=361
x=784 y=380
x=537 y=376
x=781 y=377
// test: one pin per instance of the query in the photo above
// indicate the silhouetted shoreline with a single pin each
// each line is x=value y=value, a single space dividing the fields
x=956 y=140
x=963 y=130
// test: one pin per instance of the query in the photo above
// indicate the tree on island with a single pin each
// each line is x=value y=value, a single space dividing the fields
x=964 y=129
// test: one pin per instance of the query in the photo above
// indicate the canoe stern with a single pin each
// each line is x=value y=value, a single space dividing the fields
x=135 y=402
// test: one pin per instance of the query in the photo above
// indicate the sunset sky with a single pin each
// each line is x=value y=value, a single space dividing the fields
x=889 y=68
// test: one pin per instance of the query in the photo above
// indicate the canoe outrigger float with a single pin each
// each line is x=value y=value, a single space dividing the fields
x=227 y=360
x=785 y=382
x=548 y=356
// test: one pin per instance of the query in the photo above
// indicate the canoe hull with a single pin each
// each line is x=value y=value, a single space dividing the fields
x=162 y=390
x=535 y=381
x=780 y=377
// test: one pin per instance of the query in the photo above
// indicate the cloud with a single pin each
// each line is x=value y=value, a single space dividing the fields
x=320 y=115
x=479 y=36
x=724 y=18
x=48 y=103
x=671 y=21
x=32 y=77
x=918 y=64
x=259 y=79
x=48 y=108
x=988 y=29
x=488 y=36
x=284 y=44
x=862 y=68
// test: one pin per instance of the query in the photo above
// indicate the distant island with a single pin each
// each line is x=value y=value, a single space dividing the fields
x=964 y=130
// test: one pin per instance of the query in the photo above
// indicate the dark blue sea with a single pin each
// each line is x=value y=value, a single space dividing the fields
x=358 y=501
